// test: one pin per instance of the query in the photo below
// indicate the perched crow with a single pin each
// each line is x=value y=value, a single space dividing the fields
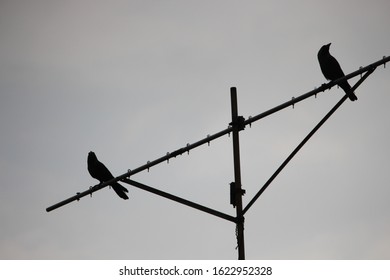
x=332 y=70
x=100 y=172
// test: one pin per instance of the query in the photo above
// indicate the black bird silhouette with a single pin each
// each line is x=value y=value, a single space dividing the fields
x=332 y=70
x=100 y=172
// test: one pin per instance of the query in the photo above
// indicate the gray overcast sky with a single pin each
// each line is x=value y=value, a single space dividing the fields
x=133 y=80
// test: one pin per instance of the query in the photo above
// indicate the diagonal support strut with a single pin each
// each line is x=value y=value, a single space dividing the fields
x=296 y=150
x=180 y=200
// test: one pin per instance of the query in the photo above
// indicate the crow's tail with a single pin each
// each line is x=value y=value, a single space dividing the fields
x=120 y=190
x=347 y=88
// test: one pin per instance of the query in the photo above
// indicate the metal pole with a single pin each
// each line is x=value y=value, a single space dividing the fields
x=237 y=126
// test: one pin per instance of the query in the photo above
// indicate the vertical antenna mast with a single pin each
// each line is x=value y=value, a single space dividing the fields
x=237 y=192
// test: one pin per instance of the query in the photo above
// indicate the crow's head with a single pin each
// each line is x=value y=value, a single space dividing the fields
x=91 y=155
x=324 y=50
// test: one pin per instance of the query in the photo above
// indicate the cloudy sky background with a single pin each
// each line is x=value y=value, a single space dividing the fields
x=133 y=80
